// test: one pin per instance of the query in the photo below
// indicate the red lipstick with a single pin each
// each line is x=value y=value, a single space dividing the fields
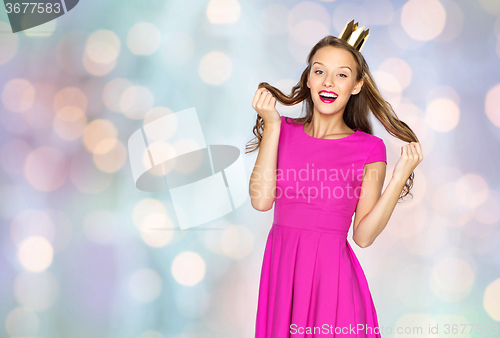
x=327 y=97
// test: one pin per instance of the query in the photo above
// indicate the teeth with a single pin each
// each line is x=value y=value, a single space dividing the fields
x=328 y=95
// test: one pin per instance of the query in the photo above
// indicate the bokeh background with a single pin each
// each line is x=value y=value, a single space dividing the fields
x=76 y=256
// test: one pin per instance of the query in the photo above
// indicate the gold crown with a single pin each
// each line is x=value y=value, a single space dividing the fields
x=354 y=36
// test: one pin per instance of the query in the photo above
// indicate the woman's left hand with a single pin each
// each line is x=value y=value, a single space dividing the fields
x=411 y=156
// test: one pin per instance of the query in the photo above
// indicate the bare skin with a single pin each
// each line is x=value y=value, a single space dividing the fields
x=374 y=208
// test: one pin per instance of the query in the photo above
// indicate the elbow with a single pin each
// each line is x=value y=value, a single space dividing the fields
x=262 y=206
x=362 y=243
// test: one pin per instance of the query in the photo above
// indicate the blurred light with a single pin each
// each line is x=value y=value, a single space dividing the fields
x=237 y=241
x=188 y=268
x=492 y=7
x=160 y=147
x=454 y=22
x=368 y=13
x=400 y=70
x=113 y=92
x=69 y=123
x=9 y=43
x=408 y=223
x=307 y=23
x=487 y=216
x=442 y=115
x=215 y=68
x=13 y=122
x=183 y=146
x=491 y=300
x=103 y=47
x=389 y=86
x=18 y=95
x=36 y=291
x=412 y=287
x=143 y=38
x=183 y=51
x=492 y=104
x=41 y=114
x=498 y=45
x=157 y=238
x=489 y=211
x=223 y=11
x=145 y=285
x=410 y=322
x=100 y=227
x=471 y=190
x=101 y=52
x=412 y=115
x=155 y=221
x=136 y=101
x=46 y=169
x=100 y=136
x=444 y=198
x=273 y=19
x=86 y=177
x=423 y=20
x=192 y=302
x=22 y=322
x=35 y=253
x=112 y=160
x=159 y=112
x=431 y=239
x=144 y=209
x=151 y=334
x=69 y=51
x=70 y=97
x=156 y=230
x=13 y=154
x=97 y=69
x=452 y=279
x=53 y=225
x=308 y=32
x=43 y=30
x=30 y=223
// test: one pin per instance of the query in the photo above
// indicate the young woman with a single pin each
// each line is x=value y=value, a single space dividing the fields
x=318 y=171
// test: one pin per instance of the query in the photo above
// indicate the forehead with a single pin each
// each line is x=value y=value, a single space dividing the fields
x=334 y=57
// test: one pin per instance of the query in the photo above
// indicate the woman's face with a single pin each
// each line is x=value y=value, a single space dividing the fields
x=334 y=73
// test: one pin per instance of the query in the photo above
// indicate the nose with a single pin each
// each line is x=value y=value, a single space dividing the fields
x=328 y=82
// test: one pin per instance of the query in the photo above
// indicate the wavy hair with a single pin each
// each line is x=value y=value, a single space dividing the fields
x=357 y=108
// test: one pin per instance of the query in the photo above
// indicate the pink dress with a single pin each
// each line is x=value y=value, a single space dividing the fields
x=312 y=284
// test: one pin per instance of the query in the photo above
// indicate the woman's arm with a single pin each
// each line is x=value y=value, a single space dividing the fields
x=263 y=178
x=374 y=210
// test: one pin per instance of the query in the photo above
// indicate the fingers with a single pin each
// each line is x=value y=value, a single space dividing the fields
x=264 y=99
x=413 y=150
x=258 y=95
x=269 y=99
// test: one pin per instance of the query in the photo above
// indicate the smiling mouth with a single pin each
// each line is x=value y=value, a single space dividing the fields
x=327 y=97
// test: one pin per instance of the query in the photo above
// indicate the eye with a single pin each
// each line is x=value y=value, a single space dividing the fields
x=343 y=74
x=318 y=71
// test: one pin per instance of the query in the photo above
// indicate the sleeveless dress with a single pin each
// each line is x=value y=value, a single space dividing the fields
x=312 y=284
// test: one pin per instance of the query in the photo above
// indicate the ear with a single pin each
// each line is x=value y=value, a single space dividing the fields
x=308 y=86
x=357 y=88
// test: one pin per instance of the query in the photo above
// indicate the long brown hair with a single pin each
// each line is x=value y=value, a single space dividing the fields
x=357 y=108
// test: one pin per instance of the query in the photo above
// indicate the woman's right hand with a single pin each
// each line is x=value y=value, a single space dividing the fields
x=264 y=104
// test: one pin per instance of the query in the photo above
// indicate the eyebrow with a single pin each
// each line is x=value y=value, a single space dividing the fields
x=339 y=67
